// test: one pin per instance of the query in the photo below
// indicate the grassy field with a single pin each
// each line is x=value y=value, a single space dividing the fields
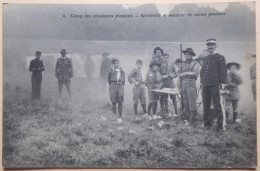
x=57 y=132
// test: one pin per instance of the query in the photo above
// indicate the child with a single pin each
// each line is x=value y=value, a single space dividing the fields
x=116 y=81
x=137 y=78
x=232 y=94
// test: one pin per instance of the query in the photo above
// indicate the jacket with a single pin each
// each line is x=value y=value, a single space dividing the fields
x=36 y=67
x=135 y=76
x=191 y=66
x=113 y=76
x=233 y=80
x=213 y=71
x=63 y=69
x=170 y=72
x=153 y=79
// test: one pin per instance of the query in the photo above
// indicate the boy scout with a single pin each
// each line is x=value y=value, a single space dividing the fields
x=253 y=78
x=233 y=95
x=64 y=71
x=157 y=55
x=116 y=81
x=36 y=67
x=89 y=67
x=153 y=81
x=168 y=72
x=136 y=77
x=188 y=75
x=213 y=74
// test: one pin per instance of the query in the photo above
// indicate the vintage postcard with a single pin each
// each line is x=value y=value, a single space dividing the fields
x=129 y=86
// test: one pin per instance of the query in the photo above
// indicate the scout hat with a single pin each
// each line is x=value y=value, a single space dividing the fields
x=211 y=41
x=233 y=63
x=154 y=62
x=38 y=53
x=189 y=50
x=63 y=51
x=114 y=60
x=157 y=48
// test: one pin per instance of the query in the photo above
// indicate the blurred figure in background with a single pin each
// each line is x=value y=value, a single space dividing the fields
x=36 y=67
x=253 y=78
x=188 y=74
x=64 y=72
x=168 y=72
x=104 y=70
x=232 y=96
x=136 y=77
x=89 y=67
x=116 y=81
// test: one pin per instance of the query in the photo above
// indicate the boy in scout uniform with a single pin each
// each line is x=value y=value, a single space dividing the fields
x=36 y=67
x=136 y=77
x=188 y=75
x=168 y=72
x=213 y=74
x=64 y=72
x=116 y=81
x=153 y=81
x=253 y=78
x=232 y=96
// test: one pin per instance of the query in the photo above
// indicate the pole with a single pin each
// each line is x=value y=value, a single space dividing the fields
x=181 y=78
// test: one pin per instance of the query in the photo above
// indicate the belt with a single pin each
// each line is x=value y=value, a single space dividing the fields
x=117 y=82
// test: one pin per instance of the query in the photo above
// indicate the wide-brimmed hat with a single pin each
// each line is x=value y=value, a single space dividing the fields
x=114 y=60
x=38 y=53
x=233 y=63
x=63 y=51
x=154 y=62
x=201 y=57
x=211 y=41
x=158 y=48
x=189 y=50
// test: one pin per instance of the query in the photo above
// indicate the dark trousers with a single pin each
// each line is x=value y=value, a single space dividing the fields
x=36 y=87
x=67 y=85
x=211 y=93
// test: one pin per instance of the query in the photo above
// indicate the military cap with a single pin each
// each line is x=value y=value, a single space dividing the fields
x=105 y=53
x=139 y=61
x=189 y=50
x=211 y=41
x=157 y=48
x=114 y=60
x=233 y=63
x=154 y=62
x=38 y=53
x=63 y=51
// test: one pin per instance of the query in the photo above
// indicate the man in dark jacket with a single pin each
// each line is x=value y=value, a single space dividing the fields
x=64 y=71
x=213 y=75
x=104 y=70
x=36 y=67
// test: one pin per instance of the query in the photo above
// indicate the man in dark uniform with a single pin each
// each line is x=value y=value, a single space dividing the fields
x=64 y=71
x=213 y=75
x=104 y=70
x=36 y=67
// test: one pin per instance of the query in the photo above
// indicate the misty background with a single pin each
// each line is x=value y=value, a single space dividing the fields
x=31 y=27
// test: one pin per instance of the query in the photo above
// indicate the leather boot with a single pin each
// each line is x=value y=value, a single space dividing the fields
x=150 y=107
x=144 y=108
x=154 y=107
x=120 y=109
x=114 y=108
x=135 y=109
x=234 y=116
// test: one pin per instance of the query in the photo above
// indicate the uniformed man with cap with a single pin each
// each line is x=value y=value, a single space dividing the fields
x=136 y=77
x=36 y=67
x=104 y=70
x=116 y=81
x=64 y=72
x=188 y=75
x=253 y=78
x=213 y=75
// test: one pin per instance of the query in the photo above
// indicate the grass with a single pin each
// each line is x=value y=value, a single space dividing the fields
x=57 y=132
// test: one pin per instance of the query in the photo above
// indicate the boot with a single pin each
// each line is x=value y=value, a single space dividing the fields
x=114 y=108
x=144 y=108
x=155 y=107
x=150 y=107
x=175 y=107
x=120 y=109
x=162 y=105
x=166 y=106
x=234 y=116
x=135 y=109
